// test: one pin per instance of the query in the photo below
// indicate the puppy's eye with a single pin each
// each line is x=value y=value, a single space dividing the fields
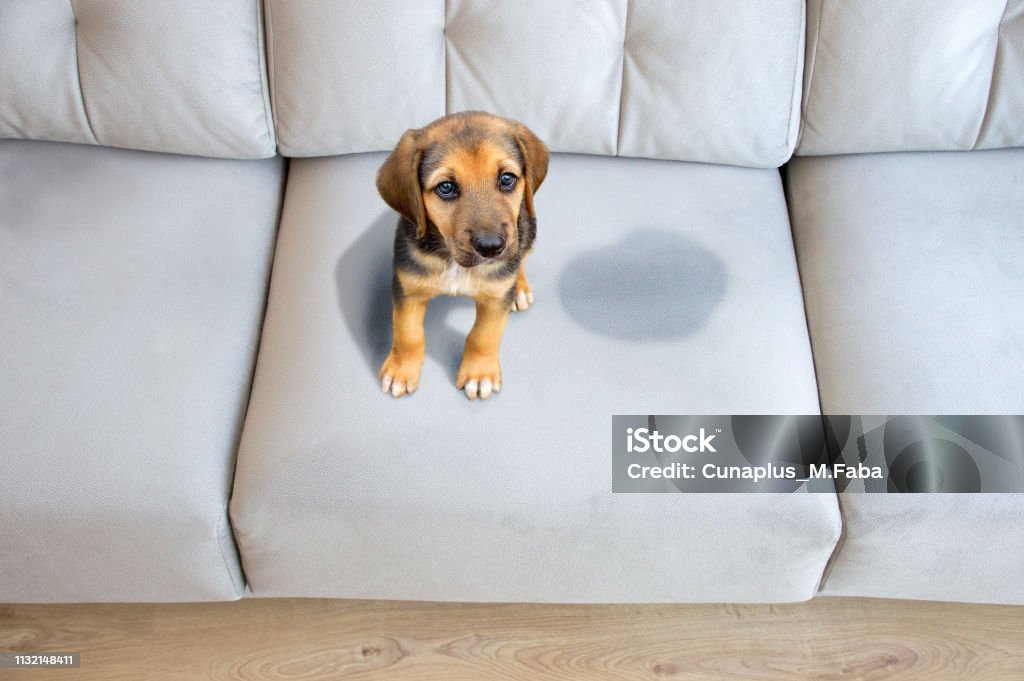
x=506 y=181
x=446 y=190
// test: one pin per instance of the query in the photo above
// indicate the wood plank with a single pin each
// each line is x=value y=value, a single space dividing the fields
x=827 y=639
x=112 y=638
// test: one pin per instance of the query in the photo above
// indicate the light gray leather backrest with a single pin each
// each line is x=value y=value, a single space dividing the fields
x=698 y=80
x=184 y=76
x=913 y=75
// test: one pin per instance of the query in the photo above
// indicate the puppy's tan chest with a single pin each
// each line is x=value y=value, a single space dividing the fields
x=451 y=279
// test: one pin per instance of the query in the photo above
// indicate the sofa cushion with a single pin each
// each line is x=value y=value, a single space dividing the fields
x=131 y=288
x=910 y=76
x=698 y=81
x=661 y=287
x=177 y=77
x=913 y=268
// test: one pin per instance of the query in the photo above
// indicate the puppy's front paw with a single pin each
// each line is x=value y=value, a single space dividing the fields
x=479 y=376
x=523 y=297
x=400 y=376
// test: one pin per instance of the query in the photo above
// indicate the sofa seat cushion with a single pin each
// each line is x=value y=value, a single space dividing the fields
x=132 y=287
x=913 y=268
x=661 y=287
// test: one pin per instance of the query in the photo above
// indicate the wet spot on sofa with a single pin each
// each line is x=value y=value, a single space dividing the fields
x=650 y=285
x=363 y=278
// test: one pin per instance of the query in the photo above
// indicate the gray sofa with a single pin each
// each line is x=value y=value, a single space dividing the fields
x=194 y=288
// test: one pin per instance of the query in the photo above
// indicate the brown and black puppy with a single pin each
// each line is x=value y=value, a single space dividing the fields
x=464 y=187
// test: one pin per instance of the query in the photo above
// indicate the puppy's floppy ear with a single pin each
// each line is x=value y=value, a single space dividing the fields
x=398 y=181
x=535 y=162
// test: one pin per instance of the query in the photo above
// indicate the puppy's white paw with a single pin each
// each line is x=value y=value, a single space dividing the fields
x=522 y=300
x=482 y=389
x=399 y=377
x=479 y=377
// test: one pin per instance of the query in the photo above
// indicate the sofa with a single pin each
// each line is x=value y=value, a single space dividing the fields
x=752 y=208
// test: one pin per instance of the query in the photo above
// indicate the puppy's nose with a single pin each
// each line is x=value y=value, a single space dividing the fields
x=488 y=245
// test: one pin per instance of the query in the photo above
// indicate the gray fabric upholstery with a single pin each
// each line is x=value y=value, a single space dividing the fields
x=913 y=268
x=661 y=287
x=697 y=81
x=912 y=272
x=177 y=77
x=909 y=76
x=131 y=294
x=943 y=547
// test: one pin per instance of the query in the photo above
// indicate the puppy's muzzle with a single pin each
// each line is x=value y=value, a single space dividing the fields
x=488 y=245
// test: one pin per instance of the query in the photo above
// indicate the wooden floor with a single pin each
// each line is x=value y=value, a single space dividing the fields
x=825 y=640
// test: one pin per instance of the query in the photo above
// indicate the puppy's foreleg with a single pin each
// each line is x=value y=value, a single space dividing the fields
x=400 y=373
x=480 y=373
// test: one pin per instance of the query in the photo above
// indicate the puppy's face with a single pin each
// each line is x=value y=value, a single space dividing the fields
x=473 y=194
x=467 y=176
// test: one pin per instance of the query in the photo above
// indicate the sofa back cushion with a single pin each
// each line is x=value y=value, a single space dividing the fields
x=700 y=80
x=186 y=76
x=913 y=76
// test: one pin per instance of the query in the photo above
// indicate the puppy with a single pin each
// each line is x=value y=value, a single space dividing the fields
x=464 y=188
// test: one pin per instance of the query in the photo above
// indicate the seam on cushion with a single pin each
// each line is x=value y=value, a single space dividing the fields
x=239 y=592
x=262 y=60
x=830 y=563
x=78 y=77
x=992 y=80
x=841 y=539
x=622 y=82
x=251 y=370
x=790 y=218
x=798 y=78
x=806 y=98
